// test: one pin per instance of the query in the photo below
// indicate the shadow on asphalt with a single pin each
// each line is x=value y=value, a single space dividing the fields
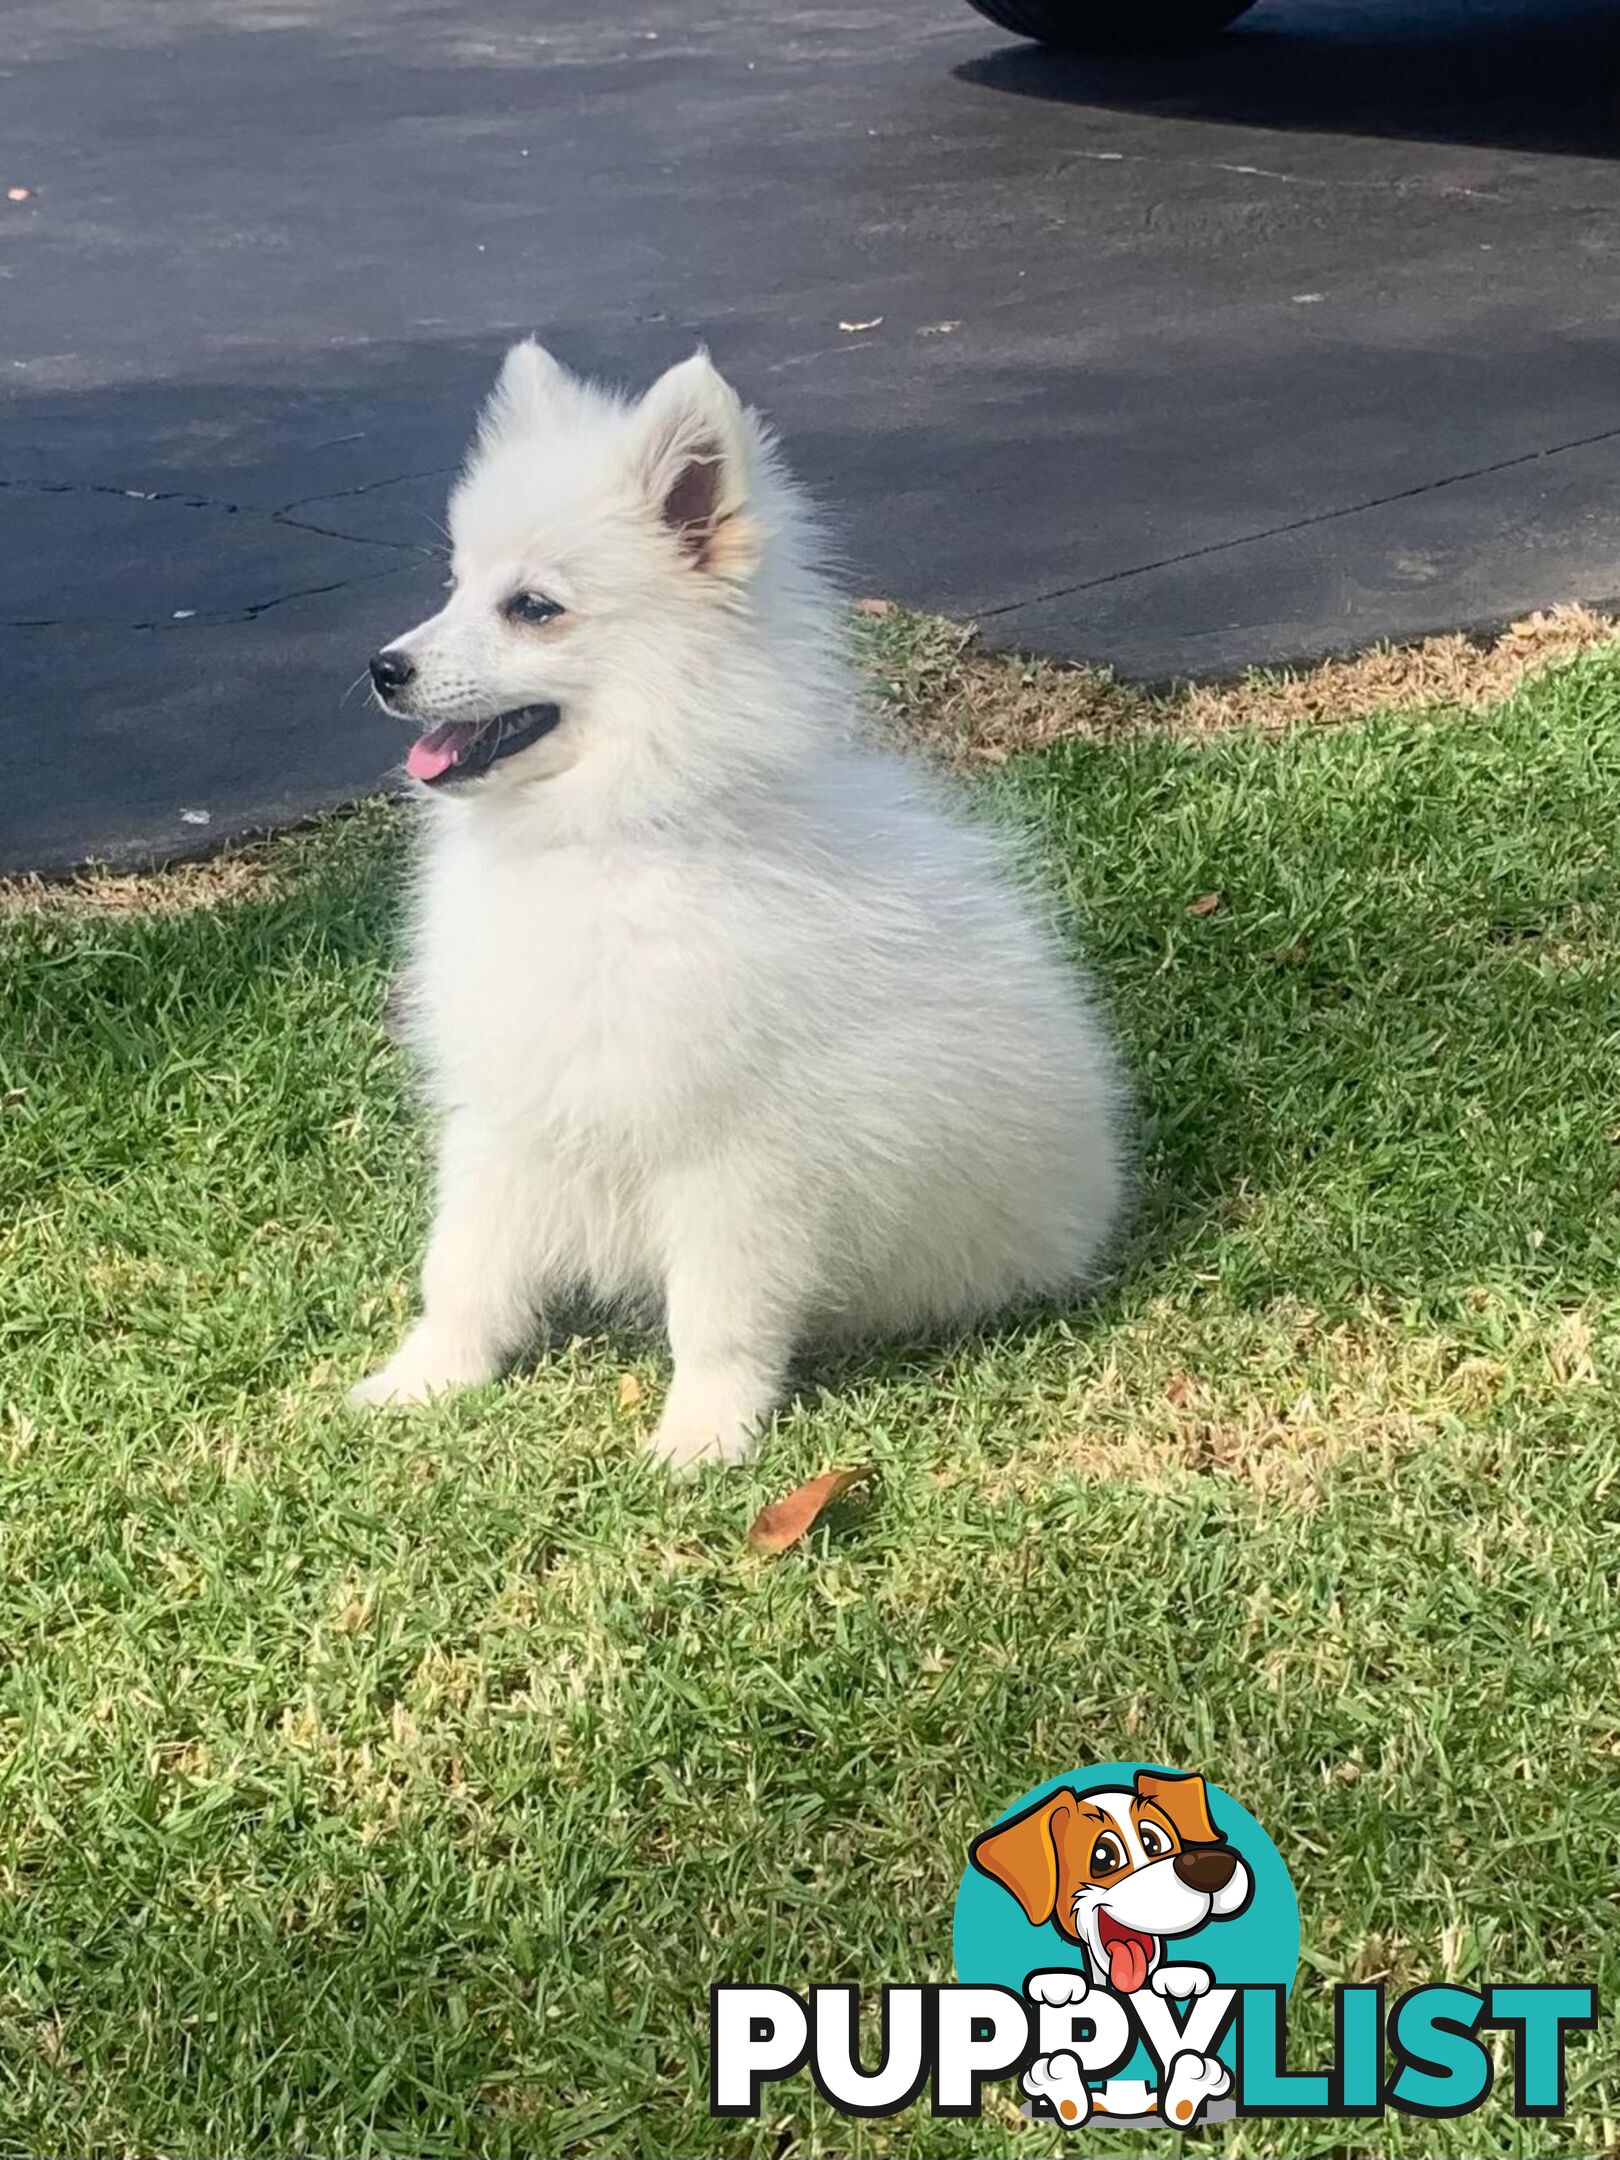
x=1533 y=75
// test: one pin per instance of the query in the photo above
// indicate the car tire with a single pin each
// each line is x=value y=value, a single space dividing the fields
x=1112 y=25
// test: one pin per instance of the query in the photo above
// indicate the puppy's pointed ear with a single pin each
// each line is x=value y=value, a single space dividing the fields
x=1022 y=1855
x=530 y=385
x=693 y=460
x=1185 y=1799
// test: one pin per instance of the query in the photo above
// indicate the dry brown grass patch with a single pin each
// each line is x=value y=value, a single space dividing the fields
x=1452 y=670
x=254 y=872
x=938 y=692
x=1286 y=1405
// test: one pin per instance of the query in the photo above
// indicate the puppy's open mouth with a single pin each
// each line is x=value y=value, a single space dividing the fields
x=462 y=749
x=1129 y=1953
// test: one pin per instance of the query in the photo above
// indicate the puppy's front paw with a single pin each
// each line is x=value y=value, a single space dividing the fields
x=1057 y=2079
x=1193 y=2082
x=387 y=1388
x=712 y=1414
x=1064 y=1984
x=427 y=1362
x=1183 y=1982
x=687 y=1445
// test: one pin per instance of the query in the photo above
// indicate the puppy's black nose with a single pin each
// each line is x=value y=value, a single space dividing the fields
x=391 y=671
x=1209 y=1870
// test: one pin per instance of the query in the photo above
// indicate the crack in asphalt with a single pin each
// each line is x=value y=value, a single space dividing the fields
x=256 y=608
x=330 y=532
x=284 y=515
x=1402 y=184
x=367 y=487
x=1303 y=524
x=184 y=496
x=199 y=619
x=188 y=499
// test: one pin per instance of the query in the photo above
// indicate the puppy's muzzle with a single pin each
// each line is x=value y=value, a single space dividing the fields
x=1209 y=1870
x=391 y=672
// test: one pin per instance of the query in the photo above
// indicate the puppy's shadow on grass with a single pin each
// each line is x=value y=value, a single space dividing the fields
x=931 y=1353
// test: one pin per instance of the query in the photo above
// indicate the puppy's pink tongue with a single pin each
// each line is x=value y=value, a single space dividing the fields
x=437 y=750
x=1127 y=1965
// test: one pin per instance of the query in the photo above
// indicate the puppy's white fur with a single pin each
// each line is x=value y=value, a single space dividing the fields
x=720 y=1007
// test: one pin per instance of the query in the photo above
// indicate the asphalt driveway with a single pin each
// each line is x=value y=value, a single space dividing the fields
x=1275 y=348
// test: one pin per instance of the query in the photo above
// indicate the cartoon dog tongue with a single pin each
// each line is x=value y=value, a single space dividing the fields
x=1128 y=1954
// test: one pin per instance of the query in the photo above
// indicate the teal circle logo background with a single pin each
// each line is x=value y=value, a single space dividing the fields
x=996 y=1946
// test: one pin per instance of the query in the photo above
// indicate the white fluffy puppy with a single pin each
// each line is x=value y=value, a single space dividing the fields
x=721 y=1010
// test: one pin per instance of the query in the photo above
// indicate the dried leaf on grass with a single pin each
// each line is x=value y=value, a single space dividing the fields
x=1205 y=904
x=785 y=1521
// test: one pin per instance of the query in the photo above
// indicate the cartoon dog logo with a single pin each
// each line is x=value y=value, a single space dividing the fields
x=1121 y=1870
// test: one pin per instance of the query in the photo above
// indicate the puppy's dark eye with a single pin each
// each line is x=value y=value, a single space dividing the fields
x=531 y=607
x=1154 y=1841
x=1107 y=1856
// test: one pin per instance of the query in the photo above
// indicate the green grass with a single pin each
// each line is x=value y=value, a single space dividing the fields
x=400 y=1786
